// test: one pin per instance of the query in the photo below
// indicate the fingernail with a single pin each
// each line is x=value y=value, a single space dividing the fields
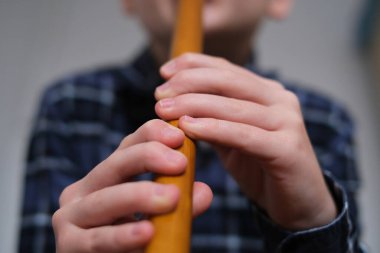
x=160 y=195
x=159 y=190
x=191 y=125
x=190 y=120
x=169 y=67
x=162 y=91
x=166 y=103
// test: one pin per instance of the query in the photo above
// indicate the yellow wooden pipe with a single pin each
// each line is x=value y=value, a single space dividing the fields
x=173 y=230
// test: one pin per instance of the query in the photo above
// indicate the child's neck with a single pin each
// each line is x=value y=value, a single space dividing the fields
x=235 y=50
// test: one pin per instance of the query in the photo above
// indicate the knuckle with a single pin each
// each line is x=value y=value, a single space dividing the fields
x=124 y=141
x=153 y=150
x=57 y=219
x=152 y=124
x=277 y=85
x=290 y=119
x=151 y=128
x=66 y=195
x=182 y=77
x=292 y=99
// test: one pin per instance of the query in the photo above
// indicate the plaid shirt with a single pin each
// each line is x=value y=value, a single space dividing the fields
x=82 y=119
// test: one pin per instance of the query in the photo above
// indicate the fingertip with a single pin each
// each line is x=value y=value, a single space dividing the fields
x=166 y=108
x=172 y=136
x=202 y=198
x=168 y=69
x=163 y=132
x=186 y=119
x=144 y=229
x=192 y=126
x=135 y=235
x=176 y=160
x=165 y=194
x=164 y=91
x=175 y=192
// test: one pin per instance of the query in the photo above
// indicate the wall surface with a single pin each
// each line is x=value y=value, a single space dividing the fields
x=41 y=40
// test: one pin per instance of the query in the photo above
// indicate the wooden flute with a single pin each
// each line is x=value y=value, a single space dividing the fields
x=173 y=230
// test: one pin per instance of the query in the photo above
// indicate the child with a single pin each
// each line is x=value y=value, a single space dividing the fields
x=257 y=143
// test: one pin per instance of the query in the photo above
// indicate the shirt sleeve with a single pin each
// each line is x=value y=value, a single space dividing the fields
x=331 y=131
x=338 y=236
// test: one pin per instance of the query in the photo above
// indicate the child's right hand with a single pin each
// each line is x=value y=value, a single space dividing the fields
x=97 y=213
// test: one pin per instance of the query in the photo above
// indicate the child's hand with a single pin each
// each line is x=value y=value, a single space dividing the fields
x=258 y=130
x=97 y=212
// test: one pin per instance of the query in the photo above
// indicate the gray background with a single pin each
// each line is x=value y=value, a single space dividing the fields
x=41 y=40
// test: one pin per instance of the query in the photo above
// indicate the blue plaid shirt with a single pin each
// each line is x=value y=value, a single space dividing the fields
x=82 y=119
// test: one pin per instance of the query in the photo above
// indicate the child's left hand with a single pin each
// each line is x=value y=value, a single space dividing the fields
x=257 y=127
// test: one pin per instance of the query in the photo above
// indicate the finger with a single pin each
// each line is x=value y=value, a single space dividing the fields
x=143 y=197
x=246 y=138
x=155 y=130
x=114 y=239
x=125 y=163
x=212 y=106
x=223 y=82
x=196 y=60
x=202 y=198
x=108 y=205
x=121 y=238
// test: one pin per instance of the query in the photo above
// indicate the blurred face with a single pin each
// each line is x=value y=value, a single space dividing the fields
x=220 y=16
